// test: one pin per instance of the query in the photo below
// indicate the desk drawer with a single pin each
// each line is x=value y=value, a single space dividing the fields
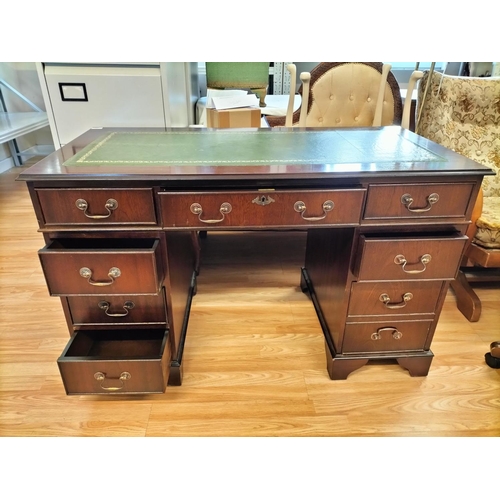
x=417 y=201
x=96 y=266
x=410 y=258
x=394 y=297
x=97 y=206
x=117 y=309
x=116 y=362
x=261 y=208
x=396 y=336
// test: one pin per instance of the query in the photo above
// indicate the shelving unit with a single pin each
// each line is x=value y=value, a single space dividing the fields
x=15 y=125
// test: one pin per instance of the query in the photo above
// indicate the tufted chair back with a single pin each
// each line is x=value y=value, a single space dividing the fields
x=344 y=94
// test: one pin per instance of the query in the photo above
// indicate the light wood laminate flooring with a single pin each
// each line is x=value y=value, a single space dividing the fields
x=254 y=360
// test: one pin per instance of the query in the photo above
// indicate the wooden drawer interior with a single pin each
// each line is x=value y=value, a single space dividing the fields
x=116 y=361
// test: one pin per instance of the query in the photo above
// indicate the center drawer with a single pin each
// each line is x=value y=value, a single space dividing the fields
x=116 y=362
x=97 y=266
x=261 y=208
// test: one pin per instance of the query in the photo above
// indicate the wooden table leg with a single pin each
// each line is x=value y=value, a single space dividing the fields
x=468 y=302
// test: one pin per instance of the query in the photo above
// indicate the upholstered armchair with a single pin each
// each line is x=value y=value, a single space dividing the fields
x=345 y=94
x=463 y=114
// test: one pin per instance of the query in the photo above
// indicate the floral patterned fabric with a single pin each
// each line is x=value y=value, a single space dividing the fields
x=488 y=225
x=463 y=114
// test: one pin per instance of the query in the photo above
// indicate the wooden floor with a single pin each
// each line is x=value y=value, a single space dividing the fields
x=254 y=361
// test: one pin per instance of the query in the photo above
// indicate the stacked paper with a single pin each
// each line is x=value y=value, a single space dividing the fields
x=231 y=99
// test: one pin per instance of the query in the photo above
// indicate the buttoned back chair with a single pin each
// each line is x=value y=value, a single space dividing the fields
x=463 y=114
x=347 y=94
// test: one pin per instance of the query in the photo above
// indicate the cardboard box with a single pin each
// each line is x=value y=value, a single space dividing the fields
x=233 y=118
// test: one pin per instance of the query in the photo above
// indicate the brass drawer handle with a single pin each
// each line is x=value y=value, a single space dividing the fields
x=110 y=205
x=400 y=260
x=100 y=377
x=224 y=209
x=395 y=305
x=113 y=273
x=407 y=200
x=396 y=334
x=105 y=306
x=300 y=207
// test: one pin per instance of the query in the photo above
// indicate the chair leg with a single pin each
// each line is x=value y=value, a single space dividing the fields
x=468 y=302
x=261 y=94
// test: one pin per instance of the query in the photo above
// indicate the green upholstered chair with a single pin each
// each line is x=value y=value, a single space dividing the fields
x=239 y=75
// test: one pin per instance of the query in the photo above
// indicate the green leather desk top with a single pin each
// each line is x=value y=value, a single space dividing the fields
x=248 y=147
x=265 y=157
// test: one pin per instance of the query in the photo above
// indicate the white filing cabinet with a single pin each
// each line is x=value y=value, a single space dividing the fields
x=80 y=96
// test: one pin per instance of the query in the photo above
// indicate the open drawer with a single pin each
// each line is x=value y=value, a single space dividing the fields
x=116 y=362
x=406 y=257
x=99 y=266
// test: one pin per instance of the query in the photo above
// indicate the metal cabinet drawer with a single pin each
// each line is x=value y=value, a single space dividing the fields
x=309 y=208
x=417 y=201
x=410 y=258
x=96 y=266
x=97 y=206
x=385 y=337
x=116 y=362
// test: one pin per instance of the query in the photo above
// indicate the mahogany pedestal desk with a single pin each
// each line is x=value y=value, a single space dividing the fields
x=385 y=212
